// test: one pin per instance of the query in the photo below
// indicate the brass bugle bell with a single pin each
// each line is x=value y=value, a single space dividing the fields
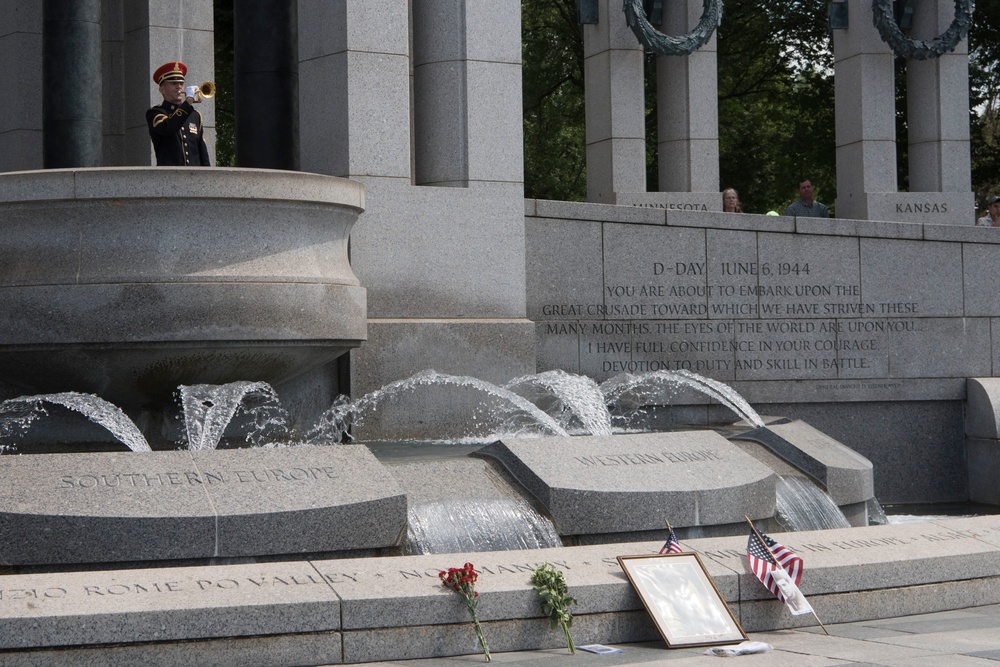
x=205 y=91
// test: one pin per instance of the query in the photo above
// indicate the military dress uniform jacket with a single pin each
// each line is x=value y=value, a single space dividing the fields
x=177 y=134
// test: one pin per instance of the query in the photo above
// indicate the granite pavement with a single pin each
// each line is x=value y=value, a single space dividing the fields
x=959 y=638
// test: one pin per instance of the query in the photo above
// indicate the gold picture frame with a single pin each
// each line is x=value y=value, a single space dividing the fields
x=682 y=599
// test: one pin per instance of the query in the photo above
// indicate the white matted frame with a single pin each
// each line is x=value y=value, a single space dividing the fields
x=683 y=600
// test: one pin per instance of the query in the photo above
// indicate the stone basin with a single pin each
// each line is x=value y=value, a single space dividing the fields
x=126 y=282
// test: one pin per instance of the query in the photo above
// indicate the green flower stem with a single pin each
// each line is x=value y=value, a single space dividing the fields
x=555 y=599
x=569 y=639
x=479 y=630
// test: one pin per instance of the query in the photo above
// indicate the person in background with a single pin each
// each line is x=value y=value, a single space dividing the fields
x=731 y=201
x=992 y=217
x=175 y=126
x=805 y=206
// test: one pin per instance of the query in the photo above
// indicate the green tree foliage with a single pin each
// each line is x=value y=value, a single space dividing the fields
x=553 y=102
x=775 y=101
x=984 y=90
x=225 y=113
x=776 y=112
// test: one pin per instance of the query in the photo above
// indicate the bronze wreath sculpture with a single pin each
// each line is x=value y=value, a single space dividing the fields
x=905 y=47
x=666 y=45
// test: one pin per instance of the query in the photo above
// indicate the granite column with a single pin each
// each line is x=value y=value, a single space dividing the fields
x=865 y=113
x=615 y=100
x=938 y=115
x=71 y=83
x=687 y=108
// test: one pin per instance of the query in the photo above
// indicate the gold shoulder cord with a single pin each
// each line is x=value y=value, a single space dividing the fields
x=159 y=118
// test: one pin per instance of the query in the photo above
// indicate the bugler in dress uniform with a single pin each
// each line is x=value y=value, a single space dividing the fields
x=175 y=126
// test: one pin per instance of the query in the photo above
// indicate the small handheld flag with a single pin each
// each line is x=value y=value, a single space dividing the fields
x=671 y=546
x=780 y=569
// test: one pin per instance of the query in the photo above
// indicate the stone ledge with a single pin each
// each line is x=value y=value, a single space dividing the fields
x=846 y=475
x=593 y=484
x=117 y=507
x=396 y=608
x=176 y=183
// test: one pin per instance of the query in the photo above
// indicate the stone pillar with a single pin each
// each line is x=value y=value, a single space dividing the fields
x=71 y=83
x=687 y=94
x=158 y=31
x=865 y=113
x=354 y=116
x=615 y=99
x=495 y=114
x=938 y=115
x=20 y=76
x=113 y=82
x=266 y=83
x=460 y=135
x=443 y=266
x=940 y=179
x=440 y=95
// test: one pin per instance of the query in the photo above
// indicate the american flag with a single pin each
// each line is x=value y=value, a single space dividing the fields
x=764 y=557
x=671 y=546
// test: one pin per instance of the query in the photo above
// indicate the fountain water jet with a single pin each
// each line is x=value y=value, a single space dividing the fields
x=511 y=413
x=209 y=410
x=801 y=505
x=575 y=400
x=633 y=393
x=478 y=506
x=18 y=414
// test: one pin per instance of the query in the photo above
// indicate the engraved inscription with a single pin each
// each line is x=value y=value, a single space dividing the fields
x=193 y=478
x=649 y=459
x=851 y=544
x=734 y=320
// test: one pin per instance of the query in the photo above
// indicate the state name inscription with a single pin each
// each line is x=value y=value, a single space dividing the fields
x=731 y=321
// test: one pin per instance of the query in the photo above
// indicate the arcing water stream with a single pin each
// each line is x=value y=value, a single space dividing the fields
x=554 y=403
x=550 y=403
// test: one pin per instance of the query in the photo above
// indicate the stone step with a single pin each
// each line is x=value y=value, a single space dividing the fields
x=368 y=609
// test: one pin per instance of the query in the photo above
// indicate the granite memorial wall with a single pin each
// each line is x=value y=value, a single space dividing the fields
x=793 y=313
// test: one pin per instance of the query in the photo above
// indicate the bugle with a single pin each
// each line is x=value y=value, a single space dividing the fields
x=205 y=91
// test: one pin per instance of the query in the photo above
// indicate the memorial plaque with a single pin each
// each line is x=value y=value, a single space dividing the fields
x=671 y=201
x=594 y=485
x=939 y=208
x=933 y=277
x=735 y=256
x=765 y=307
x=566 y=253
x=979 y=262
x=127 y=506
x=807 y=276
x=647 y=278
x=941 y=347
